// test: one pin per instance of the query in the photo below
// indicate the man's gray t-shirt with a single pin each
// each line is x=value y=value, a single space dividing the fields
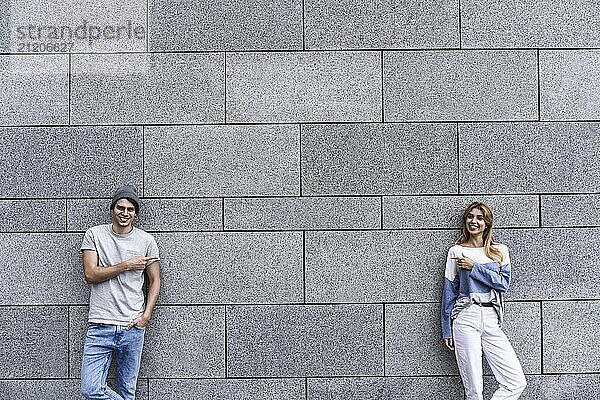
x=119 y=300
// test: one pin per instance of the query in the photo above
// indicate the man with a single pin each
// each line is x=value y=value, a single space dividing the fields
x=114 y=259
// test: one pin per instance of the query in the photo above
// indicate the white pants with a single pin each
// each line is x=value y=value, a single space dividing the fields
x=476 y=328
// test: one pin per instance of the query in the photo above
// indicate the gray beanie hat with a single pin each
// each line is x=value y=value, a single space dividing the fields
x=128 y=192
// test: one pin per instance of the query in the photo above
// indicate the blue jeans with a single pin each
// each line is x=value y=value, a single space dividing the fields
x=100 y=343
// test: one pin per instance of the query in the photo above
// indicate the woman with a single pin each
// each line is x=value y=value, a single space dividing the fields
x=477 y=274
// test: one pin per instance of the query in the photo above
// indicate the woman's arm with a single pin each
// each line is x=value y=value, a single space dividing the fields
x=492 y=275
x=449 y=295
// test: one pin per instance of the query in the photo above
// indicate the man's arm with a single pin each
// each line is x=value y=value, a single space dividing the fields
x=96 y=274
x=153 y=272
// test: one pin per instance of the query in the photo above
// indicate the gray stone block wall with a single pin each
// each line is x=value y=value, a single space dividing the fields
x=191 y=84
x=460 y=85
x=303 y=86
x=35 y=90
x=303 y=166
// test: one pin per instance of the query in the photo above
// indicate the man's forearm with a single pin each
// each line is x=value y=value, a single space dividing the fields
x=94 y=273
x=101 y=274
x=153 y=290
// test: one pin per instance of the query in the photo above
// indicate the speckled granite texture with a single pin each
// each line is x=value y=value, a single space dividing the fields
x=45 y=268
x=237 y=267
x=240 y=160
x=64 y=389
x=190 y=84
x=557 y=210
x=302 y=213
x=377 y=159
x=418 y=388
x=460 y=85
x=305 y=340
x=35 y=90
x=569 y=88
x=185 y=342
x=366 y=266
x=201 y=25
x=84 y=26
x=527 y=24
x=303 y=165
x=39 y=332
x=60 y=162
x=571 y=334
x=547 y=157
x=555 y=387
x=552 y=263
x=304 y=86
x=229 y=389
x=411 y=331
x=359 y=24
x=34 y=215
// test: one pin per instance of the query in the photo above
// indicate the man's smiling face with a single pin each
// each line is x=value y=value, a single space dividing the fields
x=123 y=214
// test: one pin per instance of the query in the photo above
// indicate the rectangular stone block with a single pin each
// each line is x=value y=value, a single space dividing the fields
x=554 y=387
x=231 y=267
x=414 y=212
x=64 y=389
x=35 y=89
x=41 y=268
x=303 y=213
x=156 y=88
x=529 y=24
x=414 y=342
x=368 y=159
x=155 y=214
x=396 y=388
x=569 y=84
x=460 y=85
x=571 y=336
x=359 y=24
x=227 y=389
x=63 y=162
x=571 y=210
x=34 y=342
x=185 y=342
x=222 y=161
x=32 y=215
x=526 y=158
x=375 y=266
x=180 y=342
x=204 y=25
x=99 y=26
x=552 y=263
x=303 y=87
x=290 y=341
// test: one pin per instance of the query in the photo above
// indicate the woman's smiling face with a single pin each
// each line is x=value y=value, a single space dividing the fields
x=475 y=223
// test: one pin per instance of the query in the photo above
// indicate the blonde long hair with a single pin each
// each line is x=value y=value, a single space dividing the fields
x=489 y=243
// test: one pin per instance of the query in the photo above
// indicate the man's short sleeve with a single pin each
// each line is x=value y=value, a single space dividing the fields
x=152 y=248
x=88 y=242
